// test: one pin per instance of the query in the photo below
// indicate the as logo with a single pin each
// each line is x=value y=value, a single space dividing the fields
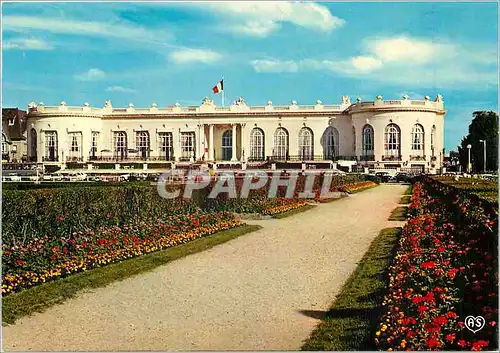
x=474 y=323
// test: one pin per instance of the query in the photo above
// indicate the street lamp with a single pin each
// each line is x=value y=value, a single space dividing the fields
x=484 y=154
x=469 y=166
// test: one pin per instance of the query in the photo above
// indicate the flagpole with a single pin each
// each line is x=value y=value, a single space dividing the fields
x=222 y=91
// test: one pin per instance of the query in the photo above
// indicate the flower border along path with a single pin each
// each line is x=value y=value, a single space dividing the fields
x=36 y=299
x=445 y=270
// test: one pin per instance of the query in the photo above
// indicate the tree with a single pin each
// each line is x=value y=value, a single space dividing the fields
x=484 y=126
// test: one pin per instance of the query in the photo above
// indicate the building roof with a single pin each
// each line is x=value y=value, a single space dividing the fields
x=14 y=123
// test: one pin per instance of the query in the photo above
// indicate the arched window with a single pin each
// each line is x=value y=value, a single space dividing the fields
x=306 y=144
x=227 y=145
x=188 y=146
x=120 y=144
x=280 y=147
x=166 y=145
x=51 y=152
x=433 y=139
x=33 y=145
x=95 y=145
x=331 y=143
x=257 y=145
x=417 y=140
x=142 y=143
x=75 y=151
x=392 y=141
x=368 y=140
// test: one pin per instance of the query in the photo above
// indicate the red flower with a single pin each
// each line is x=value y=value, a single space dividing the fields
x=452 y=272
x=478 y=345
x=432 y=343
x=440 y=320
x=450 y=337
x=432 y=328
x=461 y=343
x=428 y=264
x=20 y=262
x=55 y=249
x=60 y=219
x=422 y=308
x=451 y=314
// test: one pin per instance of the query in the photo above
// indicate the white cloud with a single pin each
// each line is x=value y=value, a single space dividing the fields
x=406 y=49
x=120 y=89
x=267 y=65
x=26 y=44
x=91 y=75
x=84 y=28
x=247 y=17
x=186 y=55
x=407 y=61
x=255 y=28
x=366 y=63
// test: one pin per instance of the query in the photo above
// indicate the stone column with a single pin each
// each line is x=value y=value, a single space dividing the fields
x=210 y=144
x=244 y=150
x=176 y=141
x=234 y=158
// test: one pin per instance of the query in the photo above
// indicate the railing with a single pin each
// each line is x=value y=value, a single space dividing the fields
x=74 y=159
x=417 y=158
x=391 y=158
x=19 y=166
x=366 y=158
x=50 y=159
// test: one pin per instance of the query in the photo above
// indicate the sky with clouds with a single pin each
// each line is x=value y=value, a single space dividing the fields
x=144 y=53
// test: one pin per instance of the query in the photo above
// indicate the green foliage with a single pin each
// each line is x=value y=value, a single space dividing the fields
x=484 y=126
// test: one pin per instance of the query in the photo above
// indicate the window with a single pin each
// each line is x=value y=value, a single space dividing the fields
x=188 y=145
x=227 y=145
x=331 y=143
x=166 y=146
x=95 y=143
x=14 y=149
x=120 y=144
x=392 y=142
x=280 y=150
x=354 y=140
x=5 y=146
x=433 y=139
x=51 y=153
x=257 y=145
x=33 y=144
x=142 y=143
x=368 y=140
x=417 y=140
x=306 y=144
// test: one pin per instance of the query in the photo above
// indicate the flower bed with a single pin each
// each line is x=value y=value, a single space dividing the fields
x=445 y=269
x=355 y=187
x=283 y=205
x=46 y=259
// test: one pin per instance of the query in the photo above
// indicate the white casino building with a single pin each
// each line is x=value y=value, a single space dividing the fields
x=401 y=134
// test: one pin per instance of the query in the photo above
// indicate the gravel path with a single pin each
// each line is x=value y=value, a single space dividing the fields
x=247 y=294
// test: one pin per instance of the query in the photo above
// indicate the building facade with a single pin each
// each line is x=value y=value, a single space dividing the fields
x=383 y=134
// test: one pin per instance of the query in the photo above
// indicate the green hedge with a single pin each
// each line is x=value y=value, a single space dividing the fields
x=31 y=213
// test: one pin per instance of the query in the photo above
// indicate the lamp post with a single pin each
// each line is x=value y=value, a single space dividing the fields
x=469 y=166
x=484 y=155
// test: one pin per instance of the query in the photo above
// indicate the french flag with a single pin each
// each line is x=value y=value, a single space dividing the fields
x=219 y=87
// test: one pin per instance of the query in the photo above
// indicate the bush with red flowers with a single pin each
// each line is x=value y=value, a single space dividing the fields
x=445 y=269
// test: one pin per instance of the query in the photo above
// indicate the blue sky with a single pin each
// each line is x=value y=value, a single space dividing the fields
x=144 y=53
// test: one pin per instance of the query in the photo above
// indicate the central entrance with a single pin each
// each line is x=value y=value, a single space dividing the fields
x=227 y=145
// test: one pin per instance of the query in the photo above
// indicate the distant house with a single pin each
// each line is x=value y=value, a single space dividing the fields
x=14 y=135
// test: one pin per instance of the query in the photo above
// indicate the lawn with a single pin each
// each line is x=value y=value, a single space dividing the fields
x=399 y=214
x=351 y=322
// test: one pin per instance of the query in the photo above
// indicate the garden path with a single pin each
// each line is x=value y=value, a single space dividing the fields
x=257 y=292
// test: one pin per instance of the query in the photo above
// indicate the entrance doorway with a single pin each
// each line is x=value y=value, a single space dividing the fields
x=227 y=145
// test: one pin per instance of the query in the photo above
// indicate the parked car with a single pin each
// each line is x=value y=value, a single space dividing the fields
x=34 y=178
x=384 y=176
x=14 y=177
x=402 y=177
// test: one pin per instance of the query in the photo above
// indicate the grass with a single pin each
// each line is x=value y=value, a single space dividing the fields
x=405 y=200
x=409 y=191
x=37 y=299
x=332 y=199
x=294 y=211
x=399 y=214
x=351 y=322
